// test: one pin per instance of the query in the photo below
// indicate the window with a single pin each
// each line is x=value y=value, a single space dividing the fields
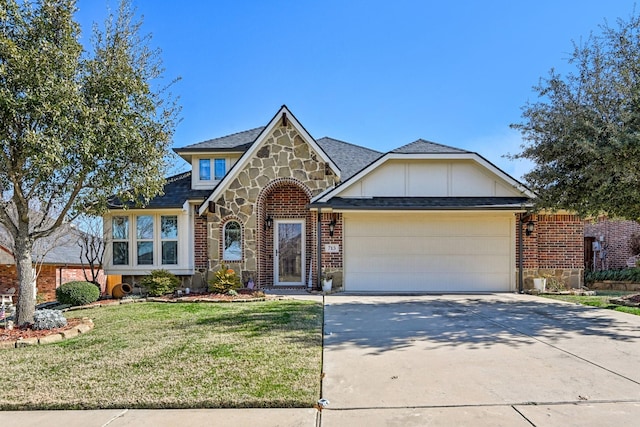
x=205 y=169
x=219 y=169
x=120 y=236
x=144 y=237
x=169 y=239
x=232 y=250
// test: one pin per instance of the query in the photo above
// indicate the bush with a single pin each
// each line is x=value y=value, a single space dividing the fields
x=224 y=280
x=626 y=275
x=77 y=293
x=49 y=319
x=160 y=282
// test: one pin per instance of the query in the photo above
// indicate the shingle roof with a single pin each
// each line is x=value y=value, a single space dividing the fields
x=240 y=141
x=421 y=146
x=177 y=191
x=424 y=203
x=59 y=248
x=348 y=157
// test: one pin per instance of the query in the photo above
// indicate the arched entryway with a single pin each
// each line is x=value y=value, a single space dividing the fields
x=285 y=234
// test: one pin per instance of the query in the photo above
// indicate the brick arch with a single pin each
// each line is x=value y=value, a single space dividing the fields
x=223 y=223
x=297 y=196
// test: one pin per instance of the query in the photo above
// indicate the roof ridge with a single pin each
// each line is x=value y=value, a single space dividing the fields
x=425 y=141
x=349 y=143
x=224 y=136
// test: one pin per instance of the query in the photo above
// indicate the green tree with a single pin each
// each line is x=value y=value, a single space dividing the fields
x=76 y=125
x=583 y=132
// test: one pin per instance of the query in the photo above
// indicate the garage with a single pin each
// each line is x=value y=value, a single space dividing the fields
x=429 y=251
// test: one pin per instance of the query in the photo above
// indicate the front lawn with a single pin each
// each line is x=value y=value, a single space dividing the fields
x=602 y=300
x=154 y=355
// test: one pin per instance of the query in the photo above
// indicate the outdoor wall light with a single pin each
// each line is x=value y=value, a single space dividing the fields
x=268 y=222
x=529 y=229
x=332 y=226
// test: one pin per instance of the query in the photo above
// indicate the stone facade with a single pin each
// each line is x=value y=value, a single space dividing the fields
x=555 y=248
x=278 y=181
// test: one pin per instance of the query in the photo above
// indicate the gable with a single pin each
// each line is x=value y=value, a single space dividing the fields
x=284 y=149
x=401 y=175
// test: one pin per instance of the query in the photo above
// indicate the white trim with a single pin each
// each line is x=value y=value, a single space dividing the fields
x=276 y=256
x=258 y=143
x=336 y=191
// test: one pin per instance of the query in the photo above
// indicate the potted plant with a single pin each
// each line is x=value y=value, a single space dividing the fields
x=327 y=282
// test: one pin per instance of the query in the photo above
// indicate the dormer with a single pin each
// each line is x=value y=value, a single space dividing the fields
x=211 y=160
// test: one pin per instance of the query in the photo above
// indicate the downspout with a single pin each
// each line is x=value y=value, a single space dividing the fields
x=319 y=249
x=520 y=255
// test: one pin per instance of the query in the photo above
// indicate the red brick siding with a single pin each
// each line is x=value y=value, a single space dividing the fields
x=200 y=242
x=615 y=234
x=556 y=242
x=49 y=278
x=332 y=261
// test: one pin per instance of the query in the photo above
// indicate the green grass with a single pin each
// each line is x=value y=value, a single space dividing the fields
x=154 y=355
x=601 y=300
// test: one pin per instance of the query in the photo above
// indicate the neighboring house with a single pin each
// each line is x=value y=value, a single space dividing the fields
x=611 y=238
x=56 y=261
x=273 y=203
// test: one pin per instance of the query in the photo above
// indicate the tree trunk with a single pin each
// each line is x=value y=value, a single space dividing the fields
x=26 y=307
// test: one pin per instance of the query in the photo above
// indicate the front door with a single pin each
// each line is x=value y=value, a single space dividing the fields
x=289 y=252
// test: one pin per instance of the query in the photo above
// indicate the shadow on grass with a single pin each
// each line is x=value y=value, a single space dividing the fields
x=302 y=320
x=473 y=323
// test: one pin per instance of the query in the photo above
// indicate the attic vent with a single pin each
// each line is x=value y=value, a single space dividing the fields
x=212 y=207
x=327 y=169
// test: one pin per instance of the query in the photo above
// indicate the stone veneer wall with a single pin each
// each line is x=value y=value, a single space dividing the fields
x=284 y=155
x=556 y=248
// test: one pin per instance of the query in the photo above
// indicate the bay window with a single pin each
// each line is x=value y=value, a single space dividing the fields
x=120 y=240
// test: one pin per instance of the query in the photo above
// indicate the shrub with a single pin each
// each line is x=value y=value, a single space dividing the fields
x=77 y=293
x=160 y=282
x=224 y=280
x=625 y=275
x=49 y=319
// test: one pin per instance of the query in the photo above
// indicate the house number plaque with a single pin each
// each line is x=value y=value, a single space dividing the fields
x=332 y=248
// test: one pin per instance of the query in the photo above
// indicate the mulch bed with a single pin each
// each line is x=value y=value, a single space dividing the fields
x=26 y=332
x=627 y=300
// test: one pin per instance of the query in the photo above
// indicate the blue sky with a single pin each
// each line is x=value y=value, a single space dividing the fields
x=375 y=73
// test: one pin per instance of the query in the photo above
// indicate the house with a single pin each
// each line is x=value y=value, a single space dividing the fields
x=274 y=204
x=607 y=243
x=56 y=261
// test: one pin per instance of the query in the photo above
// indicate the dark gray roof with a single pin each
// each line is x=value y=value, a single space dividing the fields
x=59 y=248
x=348 y=157
x=177 y=190
x=424 y=203
x=427 y=147
x=240 y=141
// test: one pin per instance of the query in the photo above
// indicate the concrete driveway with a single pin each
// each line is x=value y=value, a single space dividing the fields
x=504 y=359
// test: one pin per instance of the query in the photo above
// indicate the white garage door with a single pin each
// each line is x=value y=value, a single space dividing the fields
x=429 y=252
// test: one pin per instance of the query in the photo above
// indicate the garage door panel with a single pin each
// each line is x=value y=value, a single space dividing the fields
x=431 y=246
x=428 y=252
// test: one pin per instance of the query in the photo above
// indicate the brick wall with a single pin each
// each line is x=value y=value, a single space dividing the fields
x=49 y=278
x=555 y=247
x=200 y=242
x=615 y=235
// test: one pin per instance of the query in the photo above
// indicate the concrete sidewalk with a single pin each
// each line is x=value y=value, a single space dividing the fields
x=454 y=360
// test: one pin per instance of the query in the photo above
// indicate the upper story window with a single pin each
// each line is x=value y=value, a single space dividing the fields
x=205 y=169
x=232 y=250
x=120 y=242
x=220 y=168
